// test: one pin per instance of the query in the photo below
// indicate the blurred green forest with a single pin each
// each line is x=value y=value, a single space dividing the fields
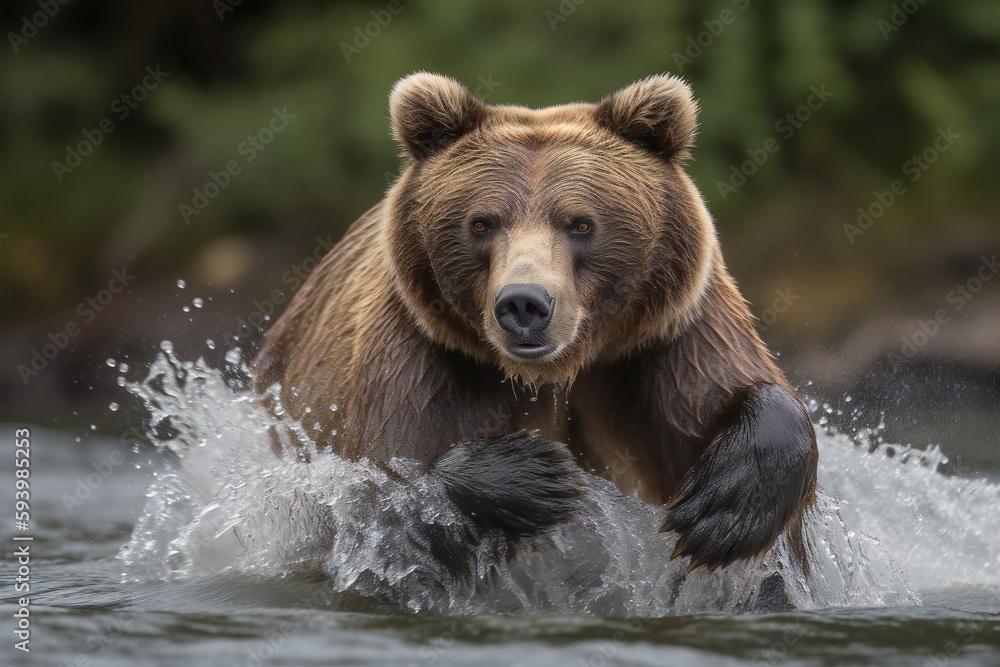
x=898 y=73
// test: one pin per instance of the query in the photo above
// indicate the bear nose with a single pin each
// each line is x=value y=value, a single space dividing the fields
x=523 y=308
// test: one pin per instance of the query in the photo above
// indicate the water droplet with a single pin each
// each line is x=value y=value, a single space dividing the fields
x=121 y=381
x=533 y=399
x=210 y=343
x=186 y=309
x=333 y=432
x=334 y=407
x=316 y=426
x=167 y=346
x=198 y=303
x=149 y=492
x=233 y=356
x=181 y=284
x=308 y=410
x=110 y=362
x=123 y=367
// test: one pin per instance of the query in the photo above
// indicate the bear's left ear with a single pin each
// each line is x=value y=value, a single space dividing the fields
x=658 y=113
x=430 y=111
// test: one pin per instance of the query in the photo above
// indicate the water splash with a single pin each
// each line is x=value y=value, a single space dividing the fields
x=222 y=502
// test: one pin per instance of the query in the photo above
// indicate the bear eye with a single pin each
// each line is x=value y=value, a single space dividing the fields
x=581 y=226
x=481 y=224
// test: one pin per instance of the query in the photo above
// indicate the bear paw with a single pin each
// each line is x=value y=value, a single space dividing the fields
x=752 y=483
x=520 y=484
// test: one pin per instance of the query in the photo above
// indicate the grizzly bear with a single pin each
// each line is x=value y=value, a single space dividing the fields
x=561 y=250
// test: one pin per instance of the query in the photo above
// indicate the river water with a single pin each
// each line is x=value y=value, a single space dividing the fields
x=204 y=549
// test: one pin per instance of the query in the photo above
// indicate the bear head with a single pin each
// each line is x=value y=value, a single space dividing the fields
x=543 y=240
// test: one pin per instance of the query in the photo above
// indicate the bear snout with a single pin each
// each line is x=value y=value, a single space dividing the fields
x=523 y=309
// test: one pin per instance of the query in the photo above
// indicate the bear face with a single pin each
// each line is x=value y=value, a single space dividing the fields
x=542 y=240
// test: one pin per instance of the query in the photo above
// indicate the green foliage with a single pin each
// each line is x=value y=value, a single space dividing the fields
x=893 y=87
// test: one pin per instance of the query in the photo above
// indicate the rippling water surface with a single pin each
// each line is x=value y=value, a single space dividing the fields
x=211 y=551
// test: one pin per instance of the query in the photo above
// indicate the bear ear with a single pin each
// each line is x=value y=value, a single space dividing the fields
x=658 y=113
x=431 y=111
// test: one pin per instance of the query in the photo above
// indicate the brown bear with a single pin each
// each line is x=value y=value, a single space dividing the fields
x=561 y=250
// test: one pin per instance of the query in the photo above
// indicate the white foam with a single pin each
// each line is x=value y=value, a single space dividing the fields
x=222 y=502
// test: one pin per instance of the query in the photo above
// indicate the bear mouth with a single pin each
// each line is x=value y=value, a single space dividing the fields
x=530 y=351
